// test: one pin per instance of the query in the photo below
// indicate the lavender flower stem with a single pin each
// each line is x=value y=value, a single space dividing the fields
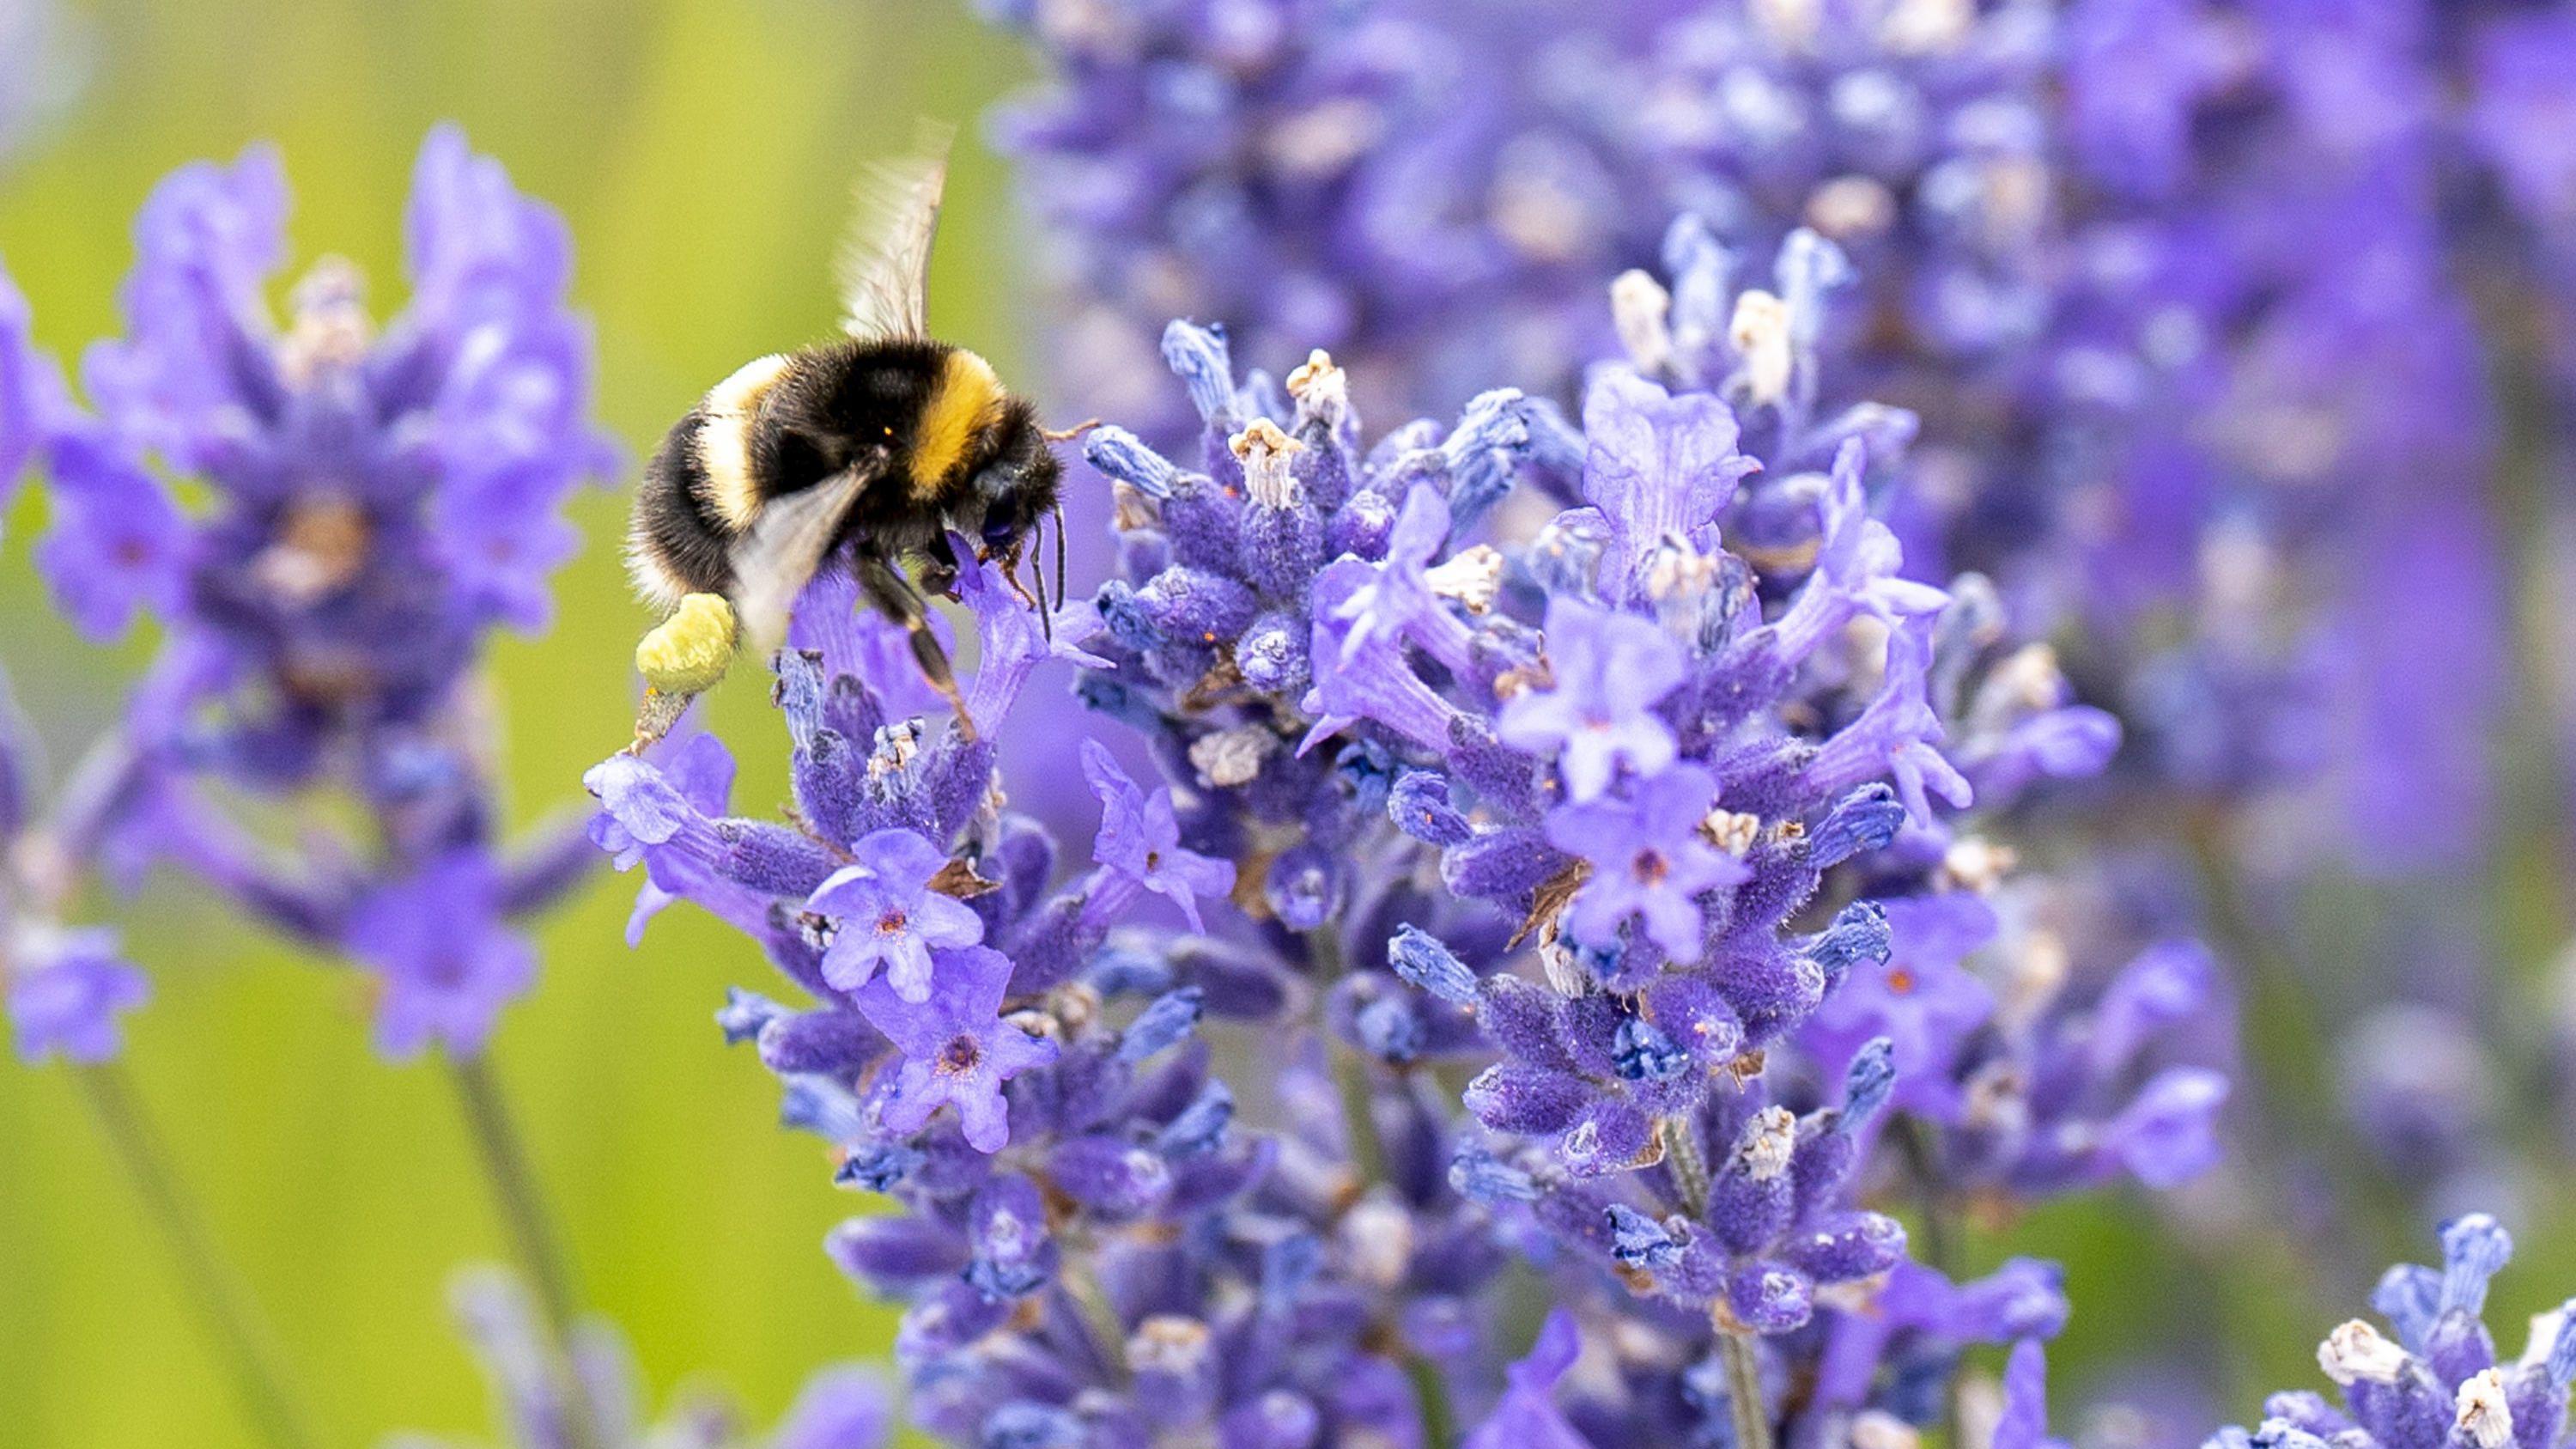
x=1359 y=1117
x=259 y=1374
x=1690 y=1169
x=1431 y=1396
x=1744 y=1388
x=530 y=1227
x=1914 y=1140
x=1368 y=1159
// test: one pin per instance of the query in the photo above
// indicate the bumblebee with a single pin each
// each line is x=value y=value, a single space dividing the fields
x=863 y=452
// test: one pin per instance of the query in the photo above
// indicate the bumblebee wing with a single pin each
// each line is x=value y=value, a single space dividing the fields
x=885 y=259
x=777 y=559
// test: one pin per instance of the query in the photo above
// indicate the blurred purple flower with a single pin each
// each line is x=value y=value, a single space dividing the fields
x=66 y=990
x=436 y=943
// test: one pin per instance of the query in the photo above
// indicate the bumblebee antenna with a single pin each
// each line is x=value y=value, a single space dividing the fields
x=1059 y=551
x=1046 y=611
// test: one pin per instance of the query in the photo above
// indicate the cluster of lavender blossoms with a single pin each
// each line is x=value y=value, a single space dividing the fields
x=2172 y=281
x=1602 y=898
x=378 y=502
x=1603 y=908
x=2202 y=306
x=2440 y=1383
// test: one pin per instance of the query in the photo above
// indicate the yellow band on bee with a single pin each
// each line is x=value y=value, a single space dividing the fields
x=692 y=649
x=966 y=395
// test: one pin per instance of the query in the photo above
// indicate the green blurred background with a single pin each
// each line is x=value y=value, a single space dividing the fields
x=701 y=152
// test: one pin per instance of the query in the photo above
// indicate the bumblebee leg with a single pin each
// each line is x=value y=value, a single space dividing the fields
x=892 y=592
x=1010 y=562
x=656 y=716
x=939 y=575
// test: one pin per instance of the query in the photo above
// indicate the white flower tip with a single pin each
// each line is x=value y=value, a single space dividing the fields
x=1473 y=578
x=1759 y=331
x=2357 y=1352
x=1263 y=451
x=1169 y=1343
x=1640 y=309
x=2484 y=1417
x=1321 y=389
x=1769 y=1141
x=1231 y=757
x=1878 y=1429
x=1732 y=831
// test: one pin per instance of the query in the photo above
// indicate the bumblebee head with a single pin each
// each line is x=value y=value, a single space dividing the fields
x=1012 y=498
x=1015 y=491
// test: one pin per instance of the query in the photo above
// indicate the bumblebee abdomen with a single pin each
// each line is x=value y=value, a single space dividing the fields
x=679 y=541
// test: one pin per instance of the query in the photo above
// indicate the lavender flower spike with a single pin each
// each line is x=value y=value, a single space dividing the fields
x=2437 y=1381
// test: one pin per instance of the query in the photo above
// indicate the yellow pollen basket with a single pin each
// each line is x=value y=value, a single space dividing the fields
x=692 y=649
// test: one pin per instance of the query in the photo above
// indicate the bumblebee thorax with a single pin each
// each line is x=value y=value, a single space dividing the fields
x=963 y=405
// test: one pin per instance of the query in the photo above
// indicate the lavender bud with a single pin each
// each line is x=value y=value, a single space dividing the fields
x=1642 y=1053
x=1858 y=936
x=744 y=1014
x=1638 y=1241
x=1116 y=1179
x=878 y=1166
x=1422 y=960
x=1388 y=1030
x=1163 y=1023
x=1120 y=455
x=1199 y=357
x=1479 y=1177
x=1848 y=1246
x=1419 y=805
x=1511 y=1098
x=1866 y=819
x=1200 y=1126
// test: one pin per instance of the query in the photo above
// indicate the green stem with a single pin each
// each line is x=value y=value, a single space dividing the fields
x=530 y=1228
x=1689 y=1167
x=1368 y=1158
x=1359 y=1116
x=1431 y=1397
x=258 y=1371
x=1092 y=1302
x=1744 y=1389
x=1940 y=1236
